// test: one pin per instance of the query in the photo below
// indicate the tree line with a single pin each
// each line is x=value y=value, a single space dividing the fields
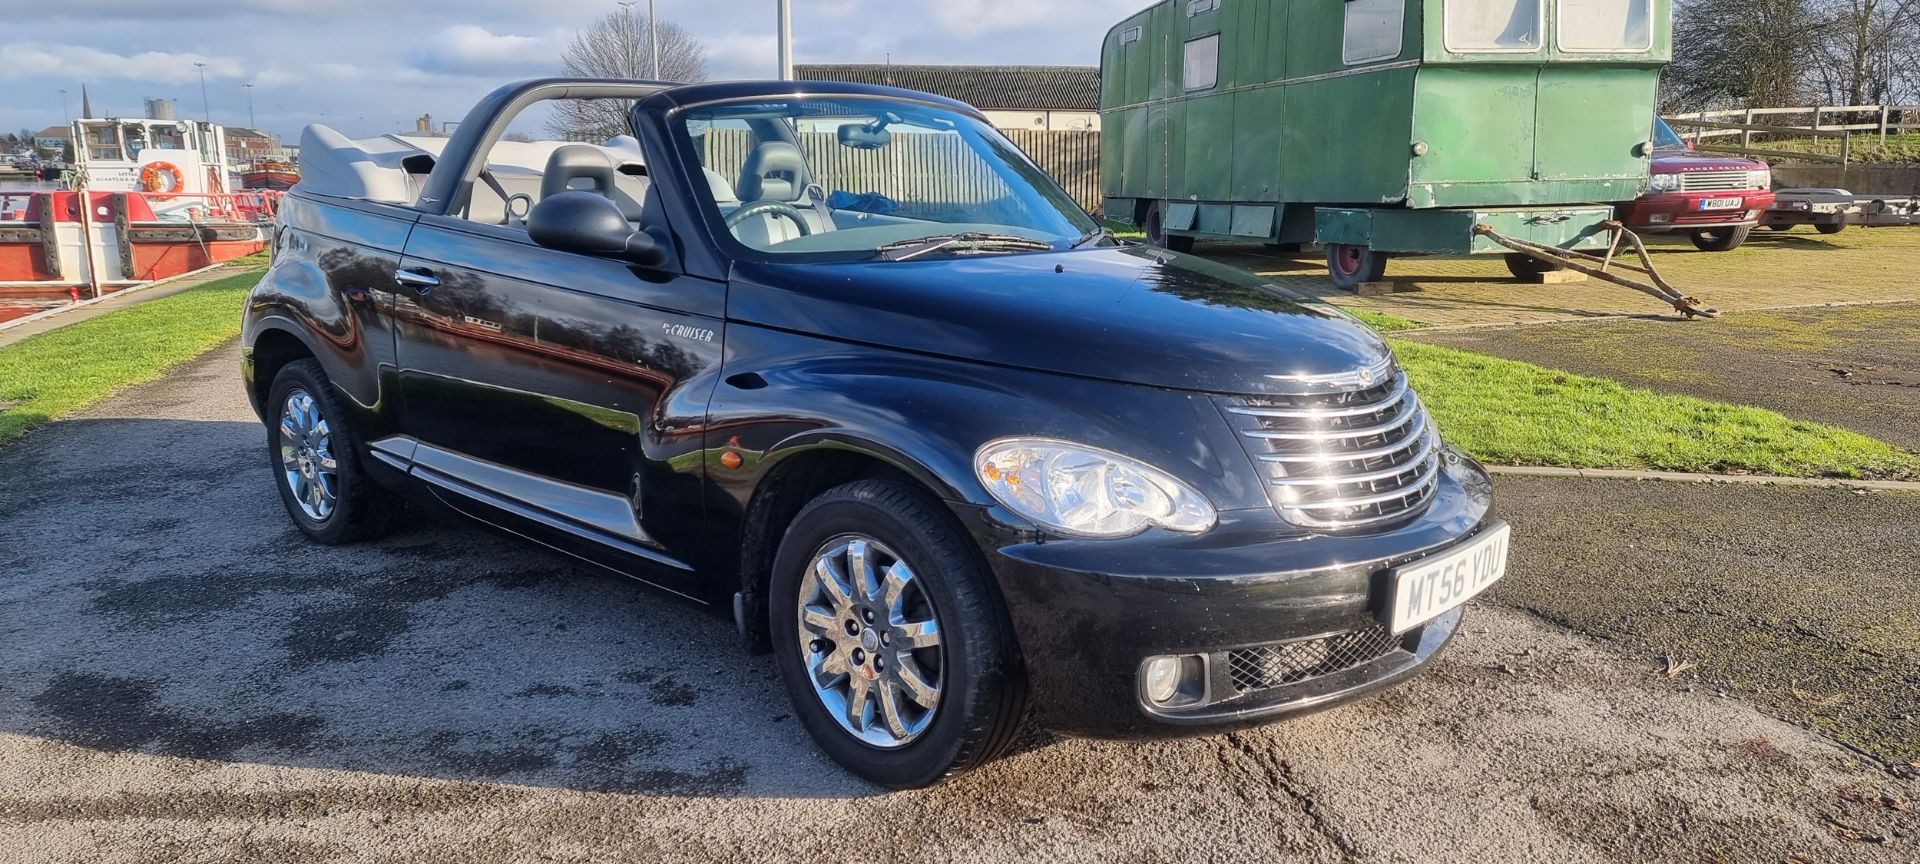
x=1781 y=53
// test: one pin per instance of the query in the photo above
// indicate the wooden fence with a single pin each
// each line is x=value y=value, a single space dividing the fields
x=923 y=167
x=1712 y=131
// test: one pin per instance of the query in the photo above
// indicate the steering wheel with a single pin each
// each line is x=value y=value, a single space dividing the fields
x=770 y=206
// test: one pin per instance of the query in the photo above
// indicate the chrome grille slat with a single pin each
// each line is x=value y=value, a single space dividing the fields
x=1713 y=181
x=1408 y=410
x=1399 y=391
x=1343 y=459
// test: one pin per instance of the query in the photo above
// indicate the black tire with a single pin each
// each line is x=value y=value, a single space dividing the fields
x=1527 y=266
x=981 y=682
x=1721 y=239
x=1830 y=227
x=1350 y=265
x=362 y=510
x=1157 y=230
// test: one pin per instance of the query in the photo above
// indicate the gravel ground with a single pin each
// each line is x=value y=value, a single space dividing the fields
x=1857 y=367
x=183 y=679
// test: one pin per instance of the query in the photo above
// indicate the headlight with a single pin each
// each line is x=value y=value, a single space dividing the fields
x=1087 y=492
x=1664 y=183
x=1761 y=179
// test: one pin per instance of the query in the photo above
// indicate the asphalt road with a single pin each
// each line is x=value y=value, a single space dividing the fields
x=183 y=679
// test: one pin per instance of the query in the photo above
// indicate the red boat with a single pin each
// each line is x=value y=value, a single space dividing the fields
x=277 y=176
x=52 y=246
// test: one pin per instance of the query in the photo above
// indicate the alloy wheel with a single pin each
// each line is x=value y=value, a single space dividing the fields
x=871 y=641
x=307 y=464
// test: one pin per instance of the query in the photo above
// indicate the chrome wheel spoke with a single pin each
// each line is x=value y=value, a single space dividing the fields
x=860 y=570
x=857 y=703
x=920 y=634
x=895 y=588
x=915 y=683
x=821 y=622
x=828 y=575
x=890 y=710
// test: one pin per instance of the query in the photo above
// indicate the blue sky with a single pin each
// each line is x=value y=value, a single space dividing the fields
x=371 y=66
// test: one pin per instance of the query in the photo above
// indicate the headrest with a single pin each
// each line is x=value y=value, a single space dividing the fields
x=774 y=171
x=573 y=162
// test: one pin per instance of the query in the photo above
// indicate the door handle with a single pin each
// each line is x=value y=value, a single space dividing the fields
x=420 y=279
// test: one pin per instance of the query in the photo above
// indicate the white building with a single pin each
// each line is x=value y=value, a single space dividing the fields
x=1047 y=98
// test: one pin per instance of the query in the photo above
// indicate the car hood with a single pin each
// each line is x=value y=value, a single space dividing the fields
x=1131 y=314
x=1676 y=161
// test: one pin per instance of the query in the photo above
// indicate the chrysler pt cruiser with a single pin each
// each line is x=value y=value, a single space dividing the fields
x=841 y=363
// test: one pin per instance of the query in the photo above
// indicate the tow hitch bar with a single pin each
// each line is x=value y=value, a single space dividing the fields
x=1573 y=260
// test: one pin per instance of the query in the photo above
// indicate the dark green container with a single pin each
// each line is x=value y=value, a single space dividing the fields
x=1383 y=125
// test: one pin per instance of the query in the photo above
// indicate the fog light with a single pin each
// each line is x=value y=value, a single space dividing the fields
x=1174 y=681
x=1660 y=217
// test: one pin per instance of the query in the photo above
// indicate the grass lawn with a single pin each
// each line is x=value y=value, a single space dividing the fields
x=1901 y=147
x=1514 y=413
x=62 y=371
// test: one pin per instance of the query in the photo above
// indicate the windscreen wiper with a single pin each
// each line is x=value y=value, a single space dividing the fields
x=971 y=240
x=1094 y=236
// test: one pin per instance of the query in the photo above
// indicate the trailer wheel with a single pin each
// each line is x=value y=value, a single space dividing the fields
x=1351 y=264
x=1527 y=266
x=1721 y=239
x=1830 y=227
x=1157 y=230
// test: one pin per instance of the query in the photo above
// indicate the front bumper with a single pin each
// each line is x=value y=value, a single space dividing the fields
x=1089 y=613
x=1677 y=211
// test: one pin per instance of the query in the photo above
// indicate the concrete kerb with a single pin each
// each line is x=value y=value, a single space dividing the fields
x=1688 y=477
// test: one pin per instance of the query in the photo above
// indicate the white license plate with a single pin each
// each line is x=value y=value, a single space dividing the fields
x=1720 y=203
x=1427 y=588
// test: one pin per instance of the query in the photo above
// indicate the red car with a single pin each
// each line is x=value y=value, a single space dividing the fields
x=1715 y=199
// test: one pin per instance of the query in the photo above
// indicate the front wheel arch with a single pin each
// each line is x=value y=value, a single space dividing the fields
x=802 y=469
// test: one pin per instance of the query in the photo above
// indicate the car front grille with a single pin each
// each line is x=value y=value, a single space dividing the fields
x=1714 y=181
x=1283 y=663
x=1345 y=459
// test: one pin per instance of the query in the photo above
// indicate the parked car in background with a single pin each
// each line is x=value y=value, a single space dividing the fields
x=841 y=362
x=1716 y=199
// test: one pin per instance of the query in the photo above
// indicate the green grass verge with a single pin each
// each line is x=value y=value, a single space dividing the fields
x=56 y=373
x=1902 y=147
x=1515 y=413
x=1382 y=321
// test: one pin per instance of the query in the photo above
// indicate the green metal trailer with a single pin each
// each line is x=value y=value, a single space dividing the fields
x=1376 y=127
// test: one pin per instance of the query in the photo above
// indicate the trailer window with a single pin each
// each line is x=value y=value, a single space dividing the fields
x=1203 y=63
x=1605 y=25
x=1493 y=25
x=1372 y=30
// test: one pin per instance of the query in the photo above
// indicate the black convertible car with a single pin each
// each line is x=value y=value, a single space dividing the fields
x=839 y=360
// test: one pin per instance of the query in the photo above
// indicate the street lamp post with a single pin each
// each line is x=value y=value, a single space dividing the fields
x=786 y=40
x=653 y=39
x=250 y=123
x=206 y=108
x=64 y=110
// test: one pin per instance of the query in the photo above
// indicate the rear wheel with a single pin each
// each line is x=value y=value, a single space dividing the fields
x=313 y=448
x=1721 y=239
x=1157 y=230
x=890 y=637
x=1830 y=227
x=1351 y=264
x=1527 y=266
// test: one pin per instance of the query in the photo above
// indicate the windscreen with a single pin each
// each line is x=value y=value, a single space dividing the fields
x=1664 y=138
x=847 y=178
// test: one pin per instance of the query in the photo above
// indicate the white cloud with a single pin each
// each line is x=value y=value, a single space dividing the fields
x=468 y=49
x=82 y=63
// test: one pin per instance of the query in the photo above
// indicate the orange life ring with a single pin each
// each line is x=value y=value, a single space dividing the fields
x=162 y=179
